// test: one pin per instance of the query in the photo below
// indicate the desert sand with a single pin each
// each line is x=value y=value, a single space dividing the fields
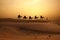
x=10 y=30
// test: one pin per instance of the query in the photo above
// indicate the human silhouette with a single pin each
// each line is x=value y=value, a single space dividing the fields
x=30 y=17
x=41 y=17
x=24 y=17
x=19 y=16
x=35 y=17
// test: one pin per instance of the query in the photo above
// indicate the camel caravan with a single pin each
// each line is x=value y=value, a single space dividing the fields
x=35 y=18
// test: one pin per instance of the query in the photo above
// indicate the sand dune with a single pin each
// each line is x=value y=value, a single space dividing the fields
x=48 y=27
x=29 y=31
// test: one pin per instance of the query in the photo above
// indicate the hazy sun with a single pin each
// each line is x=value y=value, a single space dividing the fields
x=28 y=7
x=31 y=7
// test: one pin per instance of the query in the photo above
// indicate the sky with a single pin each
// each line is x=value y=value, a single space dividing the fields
x=46 y=8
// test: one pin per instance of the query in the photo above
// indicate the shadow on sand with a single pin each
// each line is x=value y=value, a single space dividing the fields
x=31 y=31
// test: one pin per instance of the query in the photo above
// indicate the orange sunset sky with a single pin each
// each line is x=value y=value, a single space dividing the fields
x=46 y=8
